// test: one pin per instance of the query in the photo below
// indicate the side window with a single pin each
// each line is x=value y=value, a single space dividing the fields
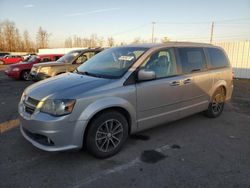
x=162 y=63
x=217 y=58
x=84 y=57
x=192 y=59
x=57 y=57
x=45 y=59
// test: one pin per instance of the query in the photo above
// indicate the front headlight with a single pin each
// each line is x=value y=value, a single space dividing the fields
x=23 y=97
x=57 y=107
x=44 y=70
x=15 y=69
x=33 y=69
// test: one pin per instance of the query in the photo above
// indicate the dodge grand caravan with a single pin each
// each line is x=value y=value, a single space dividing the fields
x=124 y=90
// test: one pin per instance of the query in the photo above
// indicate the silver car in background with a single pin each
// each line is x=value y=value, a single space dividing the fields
x=124 y=90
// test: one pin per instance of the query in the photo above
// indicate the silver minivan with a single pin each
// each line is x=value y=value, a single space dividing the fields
x=123 y=90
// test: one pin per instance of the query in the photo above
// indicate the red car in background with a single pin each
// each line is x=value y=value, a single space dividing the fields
x=22 y=70
x=10 y=59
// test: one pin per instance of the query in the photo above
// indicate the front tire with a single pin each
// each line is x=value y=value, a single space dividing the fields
x=107 y=134
x=25 y=75
x=216 y=105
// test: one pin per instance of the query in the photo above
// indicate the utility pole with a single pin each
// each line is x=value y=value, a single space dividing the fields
x=212 y=33
x=153 y=30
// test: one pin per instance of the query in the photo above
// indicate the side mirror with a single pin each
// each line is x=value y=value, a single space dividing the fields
x=145 y=74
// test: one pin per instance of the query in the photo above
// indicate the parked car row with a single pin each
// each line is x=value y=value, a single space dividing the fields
x=6 y=58
x=10 y=59
x=22 y=70
x=49 y=65
x=67 y=63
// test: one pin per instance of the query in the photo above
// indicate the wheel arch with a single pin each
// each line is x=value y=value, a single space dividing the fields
x=114 y=108
x=110 y=103
x=218 y=84
x=21 y=72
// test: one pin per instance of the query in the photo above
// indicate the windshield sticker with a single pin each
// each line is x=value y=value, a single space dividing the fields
x=126 y=58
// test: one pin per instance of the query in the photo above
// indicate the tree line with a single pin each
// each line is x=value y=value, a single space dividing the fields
x=93 y=41
x=11 y=40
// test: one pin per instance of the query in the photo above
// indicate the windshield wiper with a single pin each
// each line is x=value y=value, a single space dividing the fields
x=89 y=74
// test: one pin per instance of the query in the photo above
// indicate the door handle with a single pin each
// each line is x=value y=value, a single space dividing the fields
x=175 y=83
x=187 y=81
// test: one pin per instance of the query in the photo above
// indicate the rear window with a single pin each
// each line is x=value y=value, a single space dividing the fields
x=57 y=57
x=192 y=59
x=217 y=58
x=45 y=59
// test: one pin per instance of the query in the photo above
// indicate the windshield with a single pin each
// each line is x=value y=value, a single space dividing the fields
x=32 y=59
x=112 y=63
x=69 y=57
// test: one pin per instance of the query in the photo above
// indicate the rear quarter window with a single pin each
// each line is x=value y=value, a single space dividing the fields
x=45 y=59
x=217 y=58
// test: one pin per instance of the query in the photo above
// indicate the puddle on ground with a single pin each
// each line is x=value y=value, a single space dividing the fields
x=140 y=137
x=152 y=156
x=175 y=146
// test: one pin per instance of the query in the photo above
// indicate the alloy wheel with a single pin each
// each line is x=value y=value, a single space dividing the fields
x=109 y=135
x=217 y=103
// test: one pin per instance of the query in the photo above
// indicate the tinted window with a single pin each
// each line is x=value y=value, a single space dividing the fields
x=45 y=59
x=57 y=57
x=84 y=57
x=192 y=59
x=217 y=58
x=162 y=63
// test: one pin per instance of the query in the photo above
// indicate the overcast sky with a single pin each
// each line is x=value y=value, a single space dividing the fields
x=127 y=19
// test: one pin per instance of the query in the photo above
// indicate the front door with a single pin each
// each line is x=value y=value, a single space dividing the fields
x=158 y=100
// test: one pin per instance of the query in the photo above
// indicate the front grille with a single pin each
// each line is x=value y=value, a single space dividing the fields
x=29 y=110
x=32 y=101
x=30 y=105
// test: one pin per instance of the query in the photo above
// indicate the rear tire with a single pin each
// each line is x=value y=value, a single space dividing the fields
x=25 y=75
x=106 y=134
x=216 y=105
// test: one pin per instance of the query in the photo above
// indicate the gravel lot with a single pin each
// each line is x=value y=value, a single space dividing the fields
x=192 y=152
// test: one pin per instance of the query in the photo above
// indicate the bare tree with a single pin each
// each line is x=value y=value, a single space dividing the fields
x=77 y=41
x=100 y=41
x=138 y=40
x=9 y=30
x=42 y=38
x=111 y=41
x=68 y=43
x=93 y=41
x=27 y=43
x=19 y=45
x=165 y=40
x=1 y=38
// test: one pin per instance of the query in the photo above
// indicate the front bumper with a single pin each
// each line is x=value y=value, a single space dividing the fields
x=51 y=133
x=12 y=74
x=39 y=76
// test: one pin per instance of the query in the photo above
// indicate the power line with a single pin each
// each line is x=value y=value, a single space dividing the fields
x=204 y=22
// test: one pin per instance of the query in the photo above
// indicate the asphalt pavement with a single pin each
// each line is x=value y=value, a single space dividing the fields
x=192 y=152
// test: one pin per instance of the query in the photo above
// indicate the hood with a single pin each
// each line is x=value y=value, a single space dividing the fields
x=20 y=63
x=65 y=86
x=49 y=64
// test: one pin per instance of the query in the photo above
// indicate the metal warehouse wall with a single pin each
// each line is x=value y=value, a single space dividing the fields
x=239 y=55
x=56 y=50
